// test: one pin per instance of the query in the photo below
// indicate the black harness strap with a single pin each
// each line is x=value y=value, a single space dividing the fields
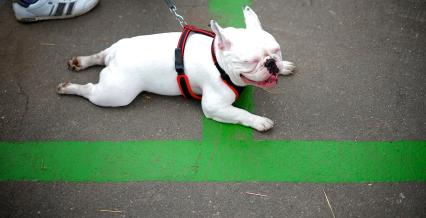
x=225 y=77
x=182 y=79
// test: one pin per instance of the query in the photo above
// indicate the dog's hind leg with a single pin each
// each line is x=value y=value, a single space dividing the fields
x=82 y=62
x=68 y=88
x=97 y=94
x=106 y=93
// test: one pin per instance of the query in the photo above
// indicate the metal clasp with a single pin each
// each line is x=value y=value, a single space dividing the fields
x=173 y=9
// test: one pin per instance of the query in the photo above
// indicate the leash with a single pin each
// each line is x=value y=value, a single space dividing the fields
x=172 y=7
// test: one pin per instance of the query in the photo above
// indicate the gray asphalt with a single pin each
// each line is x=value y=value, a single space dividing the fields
x=361 y=69
x=211 y=200
x=360 y=76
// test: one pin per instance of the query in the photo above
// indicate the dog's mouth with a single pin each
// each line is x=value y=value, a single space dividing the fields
x=270 y=82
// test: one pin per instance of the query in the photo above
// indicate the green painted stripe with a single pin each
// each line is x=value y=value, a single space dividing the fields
x=192 y=161
x=229 y=13
x=226 y=153
x=98 y=161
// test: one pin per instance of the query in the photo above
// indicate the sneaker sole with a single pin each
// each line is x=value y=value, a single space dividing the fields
x=35 y=19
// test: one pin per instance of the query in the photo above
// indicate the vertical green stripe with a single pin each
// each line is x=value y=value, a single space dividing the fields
x=229 y=13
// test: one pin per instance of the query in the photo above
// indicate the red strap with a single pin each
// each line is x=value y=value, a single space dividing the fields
x=183 y=82
x=201 y=31
x=182 y=79
x=185 y=87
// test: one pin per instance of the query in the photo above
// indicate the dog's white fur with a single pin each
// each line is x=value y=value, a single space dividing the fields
x=146 y=63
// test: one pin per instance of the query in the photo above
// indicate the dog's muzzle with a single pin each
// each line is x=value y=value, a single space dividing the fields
x=271 y=66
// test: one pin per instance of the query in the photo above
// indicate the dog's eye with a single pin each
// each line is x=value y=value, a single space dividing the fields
x=252 y=61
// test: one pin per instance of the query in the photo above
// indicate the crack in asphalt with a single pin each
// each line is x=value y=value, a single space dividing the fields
x=21 y=91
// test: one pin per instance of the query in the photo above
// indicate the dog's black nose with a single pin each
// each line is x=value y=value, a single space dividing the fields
x=271 y=66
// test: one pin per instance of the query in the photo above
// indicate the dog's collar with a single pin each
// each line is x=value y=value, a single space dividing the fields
x=182 y=79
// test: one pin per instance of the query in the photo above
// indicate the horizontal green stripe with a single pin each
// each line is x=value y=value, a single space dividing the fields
x=194 y=161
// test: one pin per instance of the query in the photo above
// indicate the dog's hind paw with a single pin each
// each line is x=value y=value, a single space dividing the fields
x=60 y=89
x=74 y=64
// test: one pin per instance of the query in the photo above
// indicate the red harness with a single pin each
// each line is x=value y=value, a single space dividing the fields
x=182 y=78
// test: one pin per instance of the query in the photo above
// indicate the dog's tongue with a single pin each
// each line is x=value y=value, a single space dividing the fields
x=270 y=82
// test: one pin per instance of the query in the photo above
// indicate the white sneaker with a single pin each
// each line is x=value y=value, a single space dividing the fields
x=51 y=9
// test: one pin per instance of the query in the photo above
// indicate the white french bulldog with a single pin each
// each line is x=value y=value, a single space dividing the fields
x=147 y=63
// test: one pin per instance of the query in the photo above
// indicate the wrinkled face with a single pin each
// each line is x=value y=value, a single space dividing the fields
x=250 y=56
x=256 y=62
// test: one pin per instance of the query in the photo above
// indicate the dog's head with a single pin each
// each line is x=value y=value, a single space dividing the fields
x=250 y=56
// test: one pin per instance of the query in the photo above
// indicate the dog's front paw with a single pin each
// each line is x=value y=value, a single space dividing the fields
x=287 y=68
x=74 y=64
x=262 y=124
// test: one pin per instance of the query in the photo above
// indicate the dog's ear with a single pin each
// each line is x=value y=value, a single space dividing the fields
x=251 y=19
x=222 y=41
